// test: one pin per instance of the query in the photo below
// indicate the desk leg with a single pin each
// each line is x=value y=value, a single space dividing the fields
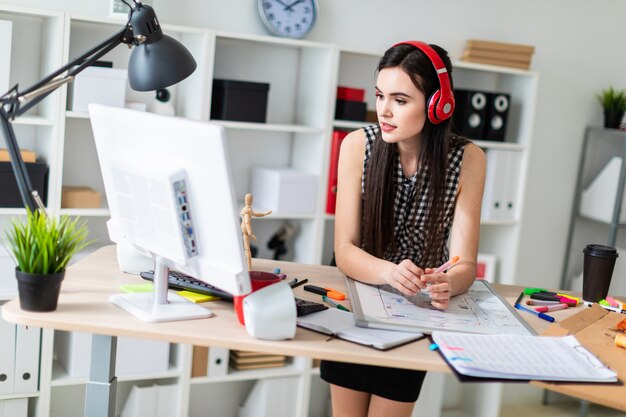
x=102 y=384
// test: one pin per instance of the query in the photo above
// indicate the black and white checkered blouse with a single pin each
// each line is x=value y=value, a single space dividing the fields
x=410 y=215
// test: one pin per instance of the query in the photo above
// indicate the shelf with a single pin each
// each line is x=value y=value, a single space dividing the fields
x=505 y=146
x=350 y=124
x=33 y=121
x=86 y=212
x=60 y=378
x=283 y=371
x=76 y=114
x=17 y=396
x=491 y=68
x=267 y=127
x=12 y=211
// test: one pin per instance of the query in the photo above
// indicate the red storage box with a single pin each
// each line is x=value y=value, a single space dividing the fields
x=351 y=94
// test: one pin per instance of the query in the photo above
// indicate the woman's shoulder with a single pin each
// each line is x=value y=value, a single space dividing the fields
x=465 y=152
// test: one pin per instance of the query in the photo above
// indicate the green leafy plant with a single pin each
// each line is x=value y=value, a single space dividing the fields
x=613 y=100
x=44 y=245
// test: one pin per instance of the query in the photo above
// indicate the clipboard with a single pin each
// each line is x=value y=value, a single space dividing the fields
x=479 y=310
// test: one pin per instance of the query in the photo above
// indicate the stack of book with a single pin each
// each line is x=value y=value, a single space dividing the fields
x=498 y=53
x=241 y=360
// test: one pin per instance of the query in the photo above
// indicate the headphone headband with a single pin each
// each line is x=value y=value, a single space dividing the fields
x=441 y=103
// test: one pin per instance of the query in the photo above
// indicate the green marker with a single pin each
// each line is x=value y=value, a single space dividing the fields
x=334 y=304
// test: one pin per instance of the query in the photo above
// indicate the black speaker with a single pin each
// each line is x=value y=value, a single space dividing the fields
x=497 y=115
x=470 y=113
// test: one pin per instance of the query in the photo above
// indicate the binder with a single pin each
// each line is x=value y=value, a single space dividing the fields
x=331 y=195
x=511 y=185
x=494 y=195
x=167 y=399
x=27 y=340
x=7 y=357
x=218 y=361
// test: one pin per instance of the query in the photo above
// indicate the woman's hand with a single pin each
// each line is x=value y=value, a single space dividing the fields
x=405 y=277
x=439 y=288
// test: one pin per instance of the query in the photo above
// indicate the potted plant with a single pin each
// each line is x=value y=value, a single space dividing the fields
x=614 y=105
x=42 y=247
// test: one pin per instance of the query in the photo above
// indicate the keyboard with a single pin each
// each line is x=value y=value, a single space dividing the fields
x=179 y=281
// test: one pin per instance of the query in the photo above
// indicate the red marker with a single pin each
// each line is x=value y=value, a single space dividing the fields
x=545 y=309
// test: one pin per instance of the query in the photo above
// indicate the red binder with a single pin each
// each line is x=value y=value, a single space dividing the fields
x=331 y=198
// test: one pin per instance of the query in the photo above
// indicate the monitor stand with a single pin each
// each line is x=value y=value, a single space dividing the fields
x=160 y=305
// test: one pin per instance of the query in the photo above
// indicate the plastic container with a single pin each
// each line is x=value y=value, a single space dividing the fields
x=239 y=100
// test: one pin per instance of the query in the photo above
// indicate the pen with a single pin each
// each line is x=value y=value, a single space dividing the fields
x=519 y=298
x=614 y=309
x=447 y=265
x=334 y=304
x=555 y=307
x=298 y=283
x=541 y=315
x=532 y=302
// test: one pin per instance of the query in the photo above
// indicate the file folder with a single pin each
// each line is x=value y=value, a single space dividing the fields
x=7 y=357
x=218 y=361
x=17 y=407
x=494 y=195
x=27 y=344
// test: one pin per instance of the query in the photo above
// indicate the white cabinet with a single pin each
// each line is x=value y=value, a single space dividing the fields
x=303 y=78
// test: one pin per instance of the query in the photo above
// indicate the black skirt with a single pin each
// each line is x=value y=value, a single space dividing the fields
x=392 y=383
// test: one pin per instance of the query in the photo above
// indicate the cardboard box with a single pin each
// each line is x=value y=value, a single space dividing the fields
x=284 y=190
x=349 y=93
x=79 y=197
x=98 y=85
x=27 y=156
x=350 y=110
x=593 y=327
x=134 y=356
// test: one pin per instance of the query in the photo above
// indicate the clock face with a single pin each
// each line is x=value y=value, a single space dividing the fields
x=290 y=18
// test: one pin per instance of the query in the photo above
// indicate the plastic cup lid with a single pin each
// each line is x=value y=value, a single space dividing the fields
x=601 y=250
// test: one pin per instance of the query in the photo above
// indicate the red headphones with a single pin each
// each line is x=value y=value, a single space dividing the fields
x=441 y=102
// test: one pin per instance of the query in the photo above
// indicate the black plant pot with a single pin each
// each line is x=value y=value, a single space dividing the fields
x=38 y=292
x=613 y=119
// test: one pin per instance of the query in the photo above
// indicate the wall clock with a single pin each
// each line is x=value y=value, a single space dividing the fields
x=288 y=18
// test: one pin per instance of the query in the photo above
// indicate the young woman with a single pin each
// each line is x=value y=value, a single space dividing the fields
x=407 y=187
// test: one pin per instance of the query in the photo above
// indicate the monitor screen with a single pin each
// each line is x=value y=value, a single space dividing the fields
x=169 y=190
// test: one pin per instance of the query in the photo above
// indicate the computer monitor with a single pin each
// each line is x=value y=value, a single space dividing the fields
x=170 y=194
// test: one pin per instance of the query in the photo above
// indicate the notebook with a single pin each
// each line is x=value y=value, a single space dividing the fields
x=521 y=357
x=341 y=324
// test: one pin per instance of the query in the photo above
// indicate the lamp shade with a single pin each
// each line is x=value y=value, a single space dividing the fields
x=158 y=61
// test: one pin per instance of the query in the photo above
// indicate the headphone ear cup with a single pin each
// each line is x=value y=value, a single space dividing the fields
x=432 y=107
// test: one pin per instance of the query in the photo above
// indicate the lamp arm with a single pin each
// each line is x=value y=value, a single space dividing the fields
x=33 y=95
x=10 y=108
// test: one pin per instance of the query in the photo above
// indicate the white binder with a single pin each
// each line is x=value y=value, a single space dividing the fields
x=27 y=341
x=494 y=195
x=513 y=165
x=218 y=361
x=7 y=357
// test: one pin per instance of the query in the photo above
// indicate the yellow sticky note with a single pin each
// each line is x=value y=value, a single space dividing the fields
x=196 y=297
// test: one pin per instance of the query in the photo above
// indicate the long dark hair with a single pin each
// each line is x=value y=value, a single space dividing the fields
x=378 y=200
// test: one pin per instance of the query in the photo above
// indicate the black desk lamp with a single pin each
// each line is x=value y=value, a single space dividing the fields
x=156 y=62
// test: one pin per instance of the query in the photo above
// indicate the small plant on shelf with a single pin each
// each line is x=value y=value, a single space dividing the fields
x=614 y=104
x=42 y=247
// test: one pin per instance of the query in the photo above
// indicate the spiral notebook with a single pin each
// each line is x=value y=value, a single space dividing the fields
x=341 y=324
x=521 y=357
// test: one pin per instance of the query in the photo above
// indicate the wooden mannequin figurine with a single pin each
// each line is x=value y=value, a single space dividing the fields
x=246 y=226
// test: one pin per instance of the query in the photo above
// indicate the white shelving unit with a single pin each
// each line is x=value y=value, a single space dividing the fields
x=303 y=77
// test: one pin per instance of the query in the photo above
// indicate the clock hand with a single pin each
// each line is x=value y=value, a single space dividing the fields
x=290 y=7
x=282 y=4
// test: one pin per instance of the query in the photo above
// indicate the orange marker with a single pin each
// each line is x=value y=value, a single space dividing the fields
x=447 y=265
